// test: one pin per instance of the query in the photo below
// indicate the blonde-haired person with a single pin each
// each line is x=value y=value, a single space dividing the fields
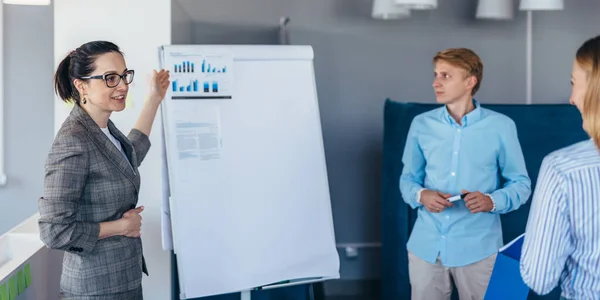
x=562 y=238
x=459 y=148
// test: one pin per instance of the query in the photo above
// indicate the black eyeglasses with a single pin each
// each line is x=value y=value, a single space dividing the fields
x=113 y=79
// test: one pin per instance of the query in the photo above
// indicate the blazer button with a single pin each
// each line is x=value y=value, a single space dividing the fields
x=72 y=249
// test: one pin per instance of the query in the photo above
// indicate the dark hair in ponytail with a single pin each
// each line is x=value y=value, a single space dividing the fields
x=79 y=63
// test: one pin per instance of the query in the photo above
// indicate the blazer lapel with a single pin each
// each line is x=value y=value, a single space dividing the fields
x=125 y=143
x=107 y=148
x=131 y=160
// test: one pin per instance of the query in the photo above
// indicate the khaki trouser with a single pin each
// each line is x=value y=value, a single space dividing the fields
x=434 y=281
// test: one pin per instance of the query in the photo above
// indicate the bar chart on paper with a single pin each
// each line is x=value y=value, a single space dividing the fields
x=196 y=76
x=205 y=67
x=193 y=85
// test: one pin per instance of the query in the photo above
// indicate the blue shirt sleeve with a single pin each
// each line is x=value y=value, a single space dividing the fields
x=413 y=173
x=547 y=243
x=517 y=188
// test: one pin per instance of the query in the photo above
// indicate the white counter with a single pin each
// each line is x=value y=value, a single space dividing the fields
x=28 y=269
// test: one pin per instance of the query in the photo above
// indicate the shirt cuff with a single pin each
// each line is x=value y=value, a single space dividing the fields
x=493 y=202
x=418 y=199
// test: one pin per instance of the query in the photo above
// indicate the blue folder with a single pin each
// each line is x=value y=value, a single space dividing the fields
x=506 y=281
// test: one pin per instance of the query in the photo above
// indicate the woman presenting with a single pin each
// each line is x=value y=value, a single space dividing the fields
x=92 y=182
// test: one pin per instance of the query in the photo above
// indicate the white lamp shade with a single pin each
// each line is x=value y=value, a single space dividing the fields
x=541 y=5
x=387 y=10
x=27 y=2
x=417 y=4
x=495 y=9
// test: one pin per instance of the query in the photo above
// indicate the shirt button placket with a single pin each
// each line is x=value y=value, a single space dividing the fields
x=455 y=153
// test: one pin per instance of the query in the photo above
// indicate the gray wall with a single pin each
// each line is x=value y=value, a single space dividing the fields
x=556 y=38
x=181 y=25
x=29 y=110
x=215 y=33
x=360 y=61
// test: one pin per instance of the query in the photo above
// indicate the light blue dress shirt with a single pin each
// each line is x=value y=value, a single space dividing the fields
x=562 y=239
x=444 y=156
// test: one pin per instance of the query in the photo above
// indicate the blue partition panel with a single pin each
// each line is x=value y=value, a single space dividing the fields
x=541 y=129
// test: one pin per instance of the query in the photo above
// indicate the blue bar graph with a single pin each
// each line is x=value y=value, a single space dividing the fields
x=202 y=76
x=191 y=87
x=207 y=68
x=184 y=67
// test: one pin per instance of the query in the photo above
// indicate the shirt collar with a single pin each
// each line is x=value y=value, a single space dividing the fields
x=468 y=119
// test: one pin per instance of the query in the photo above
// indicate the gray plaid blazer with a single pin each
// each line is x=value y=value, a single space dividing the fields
x=88 y=181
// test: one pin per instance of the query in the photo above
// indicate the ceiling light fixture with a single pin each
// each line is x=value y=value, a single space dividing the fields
x=27 y=2
x=495 y=9
x=387 y=10
x=417 y=4
x=542 y=5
